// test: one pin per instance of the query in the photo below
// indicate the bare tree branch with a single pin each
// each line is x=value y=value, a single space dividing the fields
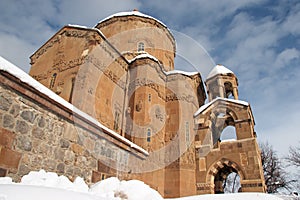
x=274 y=173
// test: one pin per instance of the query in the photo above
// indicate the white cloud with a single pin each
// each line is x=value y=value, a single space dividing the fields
x=286 y=57
x=25 y=25
x=16 y=50
x=89 y=12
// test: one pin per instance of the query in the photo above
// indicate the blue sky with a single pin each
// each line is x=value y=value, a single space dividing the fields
x=257 y=39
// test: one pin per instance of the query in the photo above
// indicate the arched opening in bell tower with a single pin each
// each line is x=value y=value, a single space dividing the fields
x=228 y=133
x=226 y=176
x=223 y=128
x=227 y=180
x=228 y=90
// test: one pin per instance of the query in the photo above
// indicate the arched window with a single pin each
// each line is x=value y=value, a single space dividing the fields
x=52 y=82
x=228 y=133
x=141 y=46
x=148 y=135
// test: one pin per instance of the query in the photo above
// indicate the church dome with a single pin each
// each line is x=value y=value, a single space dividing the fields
x=219 y=70
x=135 y=32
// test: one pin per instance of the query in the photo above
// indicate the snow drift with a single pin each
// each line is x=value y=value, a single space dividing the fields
x=49 y=186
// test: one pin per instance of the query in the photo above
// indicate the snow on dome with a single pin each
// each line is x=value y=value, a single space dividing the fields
x=131 y=13
x=219 y=69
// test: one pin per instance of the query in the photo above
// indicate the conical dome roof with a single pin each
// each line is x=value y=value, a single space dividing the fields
x=219 y=69
x=131 y=13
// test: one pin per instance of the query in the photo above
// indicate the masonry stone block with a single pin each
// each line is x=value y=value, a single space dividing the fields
x=24 y=143
x=22 y=127
x=38 y=133
x=5 y=102
x=64 y=143
x=6 y=138
x=15 y=110
x=59 y=154
x=42 y=122
x=70 y=133
x=9 y=158
x=28 y=115
x=8 y=121
x=24 y=169
x=77 y=149
x=60 y=168
x=69 y=157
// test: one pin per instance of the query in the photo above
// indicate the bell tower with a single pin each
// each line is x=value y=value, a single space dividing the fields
x=221 y=82
x=217 y=158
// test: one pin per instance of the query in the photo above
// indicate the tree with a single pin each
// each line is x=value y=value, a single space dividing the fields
x=294 y=156
x=232 y=183
x=275 y=176
x=294 y=160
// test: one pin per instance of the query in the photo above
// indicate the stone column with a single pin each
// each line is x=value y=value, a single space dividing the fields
x=221 y=91
x=235 y=93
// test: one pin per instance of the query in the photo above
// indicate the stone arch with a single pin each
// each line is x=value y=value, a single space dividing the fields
x=221 y=118
x=217 y=166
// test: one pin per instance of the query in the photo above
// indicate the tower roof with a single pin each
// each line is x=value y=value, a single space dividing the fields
x=219 y=69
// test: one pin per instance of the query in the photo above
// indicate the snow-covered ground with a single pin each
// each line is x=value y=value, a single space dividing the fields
x=49 y=186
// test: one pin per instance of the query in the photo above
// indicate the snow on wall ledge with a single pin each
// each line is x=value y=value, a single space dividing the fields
x=25 y=78
x=49 y=186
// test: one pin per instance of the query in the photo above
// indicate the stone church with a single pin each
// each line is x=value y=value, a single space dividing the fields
x=111 y=104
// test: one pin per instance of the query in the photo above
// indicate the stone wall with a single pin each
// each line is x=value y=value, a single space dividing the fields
x=38 y=133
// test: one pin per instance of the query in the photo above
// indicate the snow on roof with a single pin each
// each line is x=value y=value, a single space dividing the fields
x=143 y=55
x=202 y=108
x=79 y=26
x=87 y=28
x=181 y=72
x=25 y=78
x=131 y=13
x=146 y=55
x=219 y=69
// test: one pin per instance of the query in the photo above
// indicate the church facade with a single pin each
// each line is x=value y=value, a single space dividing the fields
x=121 y=73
